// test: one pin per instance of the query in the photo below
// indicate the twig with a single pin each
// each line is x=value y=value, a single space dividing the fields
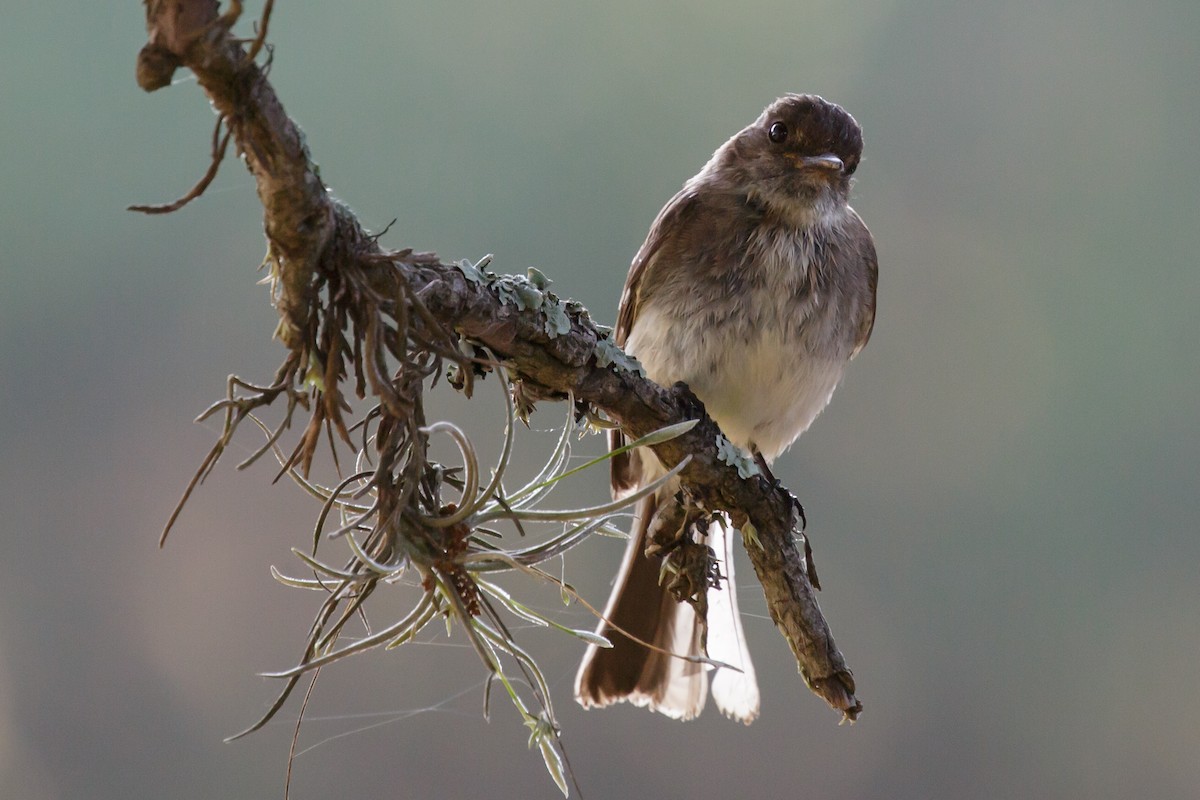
x=218 y=155
x=257 y=44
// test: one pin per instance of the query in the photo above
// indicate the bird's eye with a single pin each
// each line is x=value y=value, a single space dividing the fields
x=778 y=132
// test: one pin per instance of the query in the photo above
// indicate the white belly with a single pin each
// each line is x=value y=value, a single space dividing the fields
x=763 y=387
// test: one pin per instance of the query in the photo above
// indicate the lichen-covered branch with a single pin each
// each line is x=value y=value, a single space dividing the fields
x=347 y=306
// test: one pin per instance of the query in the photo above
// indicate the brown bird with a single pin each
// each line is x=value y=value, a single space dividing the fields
x=755 y=286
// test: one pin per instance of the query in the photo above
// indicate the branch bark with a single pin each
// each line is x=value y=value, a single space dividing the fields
x=309 y=234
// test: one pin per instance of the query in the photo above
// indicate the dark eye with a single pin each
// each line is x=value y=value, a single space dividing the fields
x=778 y=132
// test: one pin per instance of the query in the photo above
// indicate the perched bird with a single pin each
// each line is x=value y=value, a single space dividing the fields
x=755 y=286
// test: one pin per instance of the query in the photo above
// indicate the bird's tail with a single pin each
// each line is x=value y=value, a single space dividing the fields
x=631 y=672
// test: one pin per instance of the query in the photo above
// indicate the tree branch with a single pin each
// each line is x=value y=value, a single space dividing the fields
x=314 y=241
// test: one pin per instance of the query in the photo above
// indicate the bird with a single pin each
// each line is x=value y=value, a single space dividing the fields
x=755 y=286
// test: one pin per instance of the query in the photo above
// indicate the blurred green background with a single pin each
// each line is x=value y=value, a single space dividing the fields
x=1002 y=496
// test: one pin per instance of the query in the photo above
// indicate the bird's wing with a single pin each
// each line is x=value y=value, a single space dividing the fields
x=624 y=468
x=866 y=251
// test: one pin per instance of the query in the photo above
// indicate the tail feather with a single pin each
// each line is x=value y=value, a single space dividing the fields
x=630 y=672
x=735 y=693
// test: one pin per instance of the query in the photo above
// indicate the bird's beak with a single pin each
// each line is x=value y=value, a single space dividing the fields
x=824 y=161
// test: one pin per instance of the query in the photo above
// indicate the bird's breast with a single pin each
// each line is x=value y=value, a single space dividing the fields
x=762 y=344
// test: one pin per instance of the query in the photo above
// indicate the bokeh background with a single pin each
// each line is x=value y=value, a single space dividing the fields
x=1002 y=497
